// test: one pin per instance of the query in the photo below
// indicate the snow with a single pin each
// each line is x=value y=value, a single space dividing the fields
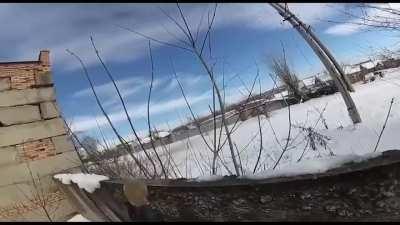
x=309 y=81
x=311 y=166
x=89 y=182
x=78 y=218
x=368 y=65
x=346 y=141
x=278 y=96
x=163 y=134
x=209 y=178
x=349 y=69
x=325 y=77
x=159 y=134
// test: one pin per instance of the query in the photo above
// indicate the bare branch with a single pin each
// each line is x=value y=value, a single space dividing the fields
x=127 y=147
x=209 y=29
x=177 y=24
x=261 y=134
x=187 y=26
x=123 y=104
x=153 y=39
x=384 y=124
x=148 y=113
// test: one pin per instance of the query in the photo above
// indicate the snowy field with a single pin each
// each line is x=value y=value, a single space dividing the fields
x=346 y=141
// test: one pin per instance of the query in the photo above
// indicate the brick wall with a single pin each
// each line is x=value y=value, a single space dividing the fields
x=32 y=133
x=18 y=208
x=36 y=150
x=25 y=75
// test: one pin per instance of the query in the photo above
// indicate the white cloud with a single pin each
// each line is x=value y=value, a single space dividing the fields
x=84 y=123
x=108 y=88
x=61 y=26
x=127 y=87
x=355 y=25
x=344 y=29
x=187 y=80
x=262 y=15
x=139 y=111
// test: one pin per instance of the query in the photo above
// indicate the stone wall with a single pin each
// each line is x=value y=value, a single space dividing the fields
x=32 y=133
x=359 y=191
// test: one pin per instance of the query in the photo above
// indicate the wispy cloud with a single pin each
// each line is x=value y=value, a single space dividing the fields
x=84 y=123
x=355 y=25
x=108 y=88
x=344 y=29
x=62 y=26
x=187 y=80
x=139 y=111
x=128 y=87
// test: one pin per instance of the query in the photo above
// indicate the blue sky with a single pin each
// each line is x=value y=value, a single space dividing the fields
x=243 y=35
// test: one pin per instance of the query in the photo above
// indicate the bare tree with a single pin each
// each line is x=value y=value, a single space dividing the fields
x=280 y=67
x=125 y=144
x=41 y=195
x=123 y=105
x=196 y=48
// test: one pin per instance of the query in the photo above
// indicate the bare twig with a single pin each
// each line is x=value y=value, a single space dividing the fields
x=261 y=135
x=155 y=40
x=123 y=104
x=148 y=114
x=384 y=124
x=123 y=142
x=289 y=132
x=198 y=125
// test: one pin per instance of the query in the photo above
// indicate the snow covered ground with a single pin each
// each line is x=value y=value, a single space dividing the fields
x=89 y=182
x=346 y=141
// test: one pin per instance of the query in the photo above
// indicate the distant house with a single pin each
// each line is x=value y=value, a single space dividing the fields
x=361 y=71
x=308 y=82
x=351 y=69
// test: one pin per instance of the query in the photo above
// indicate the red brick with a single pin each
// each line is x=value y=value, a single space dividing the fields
x=36 y=150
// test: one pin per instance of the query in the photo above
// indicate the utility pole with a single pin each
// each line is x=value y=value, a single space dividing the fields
x=326 y=58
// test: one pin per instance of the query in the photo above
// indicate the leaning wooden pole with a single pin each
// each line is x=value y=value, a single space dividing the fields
x=329 y=65
x=308 y=29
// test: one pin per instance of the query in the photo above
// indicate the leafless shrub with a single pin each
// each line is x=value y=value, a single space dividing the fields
x=41 y=195
x=314 y=139
x=281 y=69
x=321 y=113
x=110 y=76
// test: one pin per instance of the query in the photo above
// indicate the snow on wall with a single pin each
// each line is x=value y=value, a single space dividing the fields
x=311 y=166
x=89 y=182
x=78 y=218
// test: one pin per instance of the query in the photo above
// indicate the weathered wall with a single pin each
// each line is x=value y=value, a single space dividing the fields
x=31 y=133
x=363 y=191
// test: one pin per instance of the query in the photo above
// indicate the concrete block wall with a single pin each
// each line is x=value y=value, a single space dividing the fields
x=33 y=134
